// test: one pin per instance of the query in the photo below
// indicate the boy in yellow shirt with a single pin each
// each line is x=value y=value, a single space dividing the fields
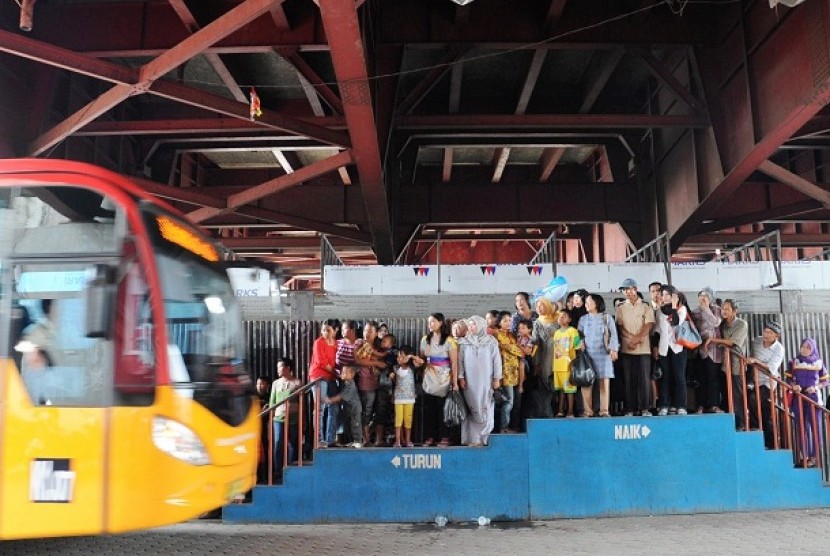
x=566 y=341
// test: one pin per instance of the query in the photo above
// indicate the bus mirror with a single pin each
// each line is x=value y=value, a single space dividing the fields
x=98 y=297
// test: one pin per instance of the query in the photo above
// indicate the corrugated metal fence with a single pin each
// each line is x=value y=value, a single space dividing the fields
x=269 y=340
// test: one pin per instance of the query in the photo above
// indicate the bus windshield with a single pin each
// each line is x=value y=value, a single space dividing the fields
x=205 y=348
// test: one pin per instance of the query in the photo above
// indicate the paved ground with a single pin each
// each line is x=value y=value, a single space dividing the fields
x=804 y=532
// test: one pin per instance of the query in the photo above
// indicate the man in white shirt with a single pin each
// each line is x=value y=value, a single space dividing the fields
x=767 y=356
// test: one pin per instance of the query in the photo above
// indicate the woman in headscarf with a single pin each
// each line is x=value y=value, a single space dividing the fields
x=806 y=374
x=479 y=375
x=541 y=399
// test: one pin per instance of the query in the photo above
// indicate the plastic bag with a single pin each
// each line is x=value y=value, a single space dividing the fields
x=455 y=409
x=582 y=370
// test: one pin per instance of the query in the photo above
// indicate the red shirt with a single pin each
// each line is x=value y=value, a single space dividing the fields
x=322 y=354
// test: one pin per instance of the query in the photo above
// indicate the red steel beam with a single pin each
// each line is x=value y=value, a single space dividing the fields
x=793 y=210
x=604 y=121
x=598 y=81
x=548 y=161
x=737 y=238
x=305 y=223
x=222 y=27
x=284 y=242
x=194 y=197
x=425 y=85
x=274 y=186
x=214 y=60
x=344 y=38
x=292 y=56
x=113 y=73
x=665 y=75
x=190 y=125
x=782 y=114
x=796 y=182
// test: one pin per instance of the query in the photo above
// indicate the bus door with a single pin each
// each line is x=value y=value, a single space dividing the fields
x=55 y=409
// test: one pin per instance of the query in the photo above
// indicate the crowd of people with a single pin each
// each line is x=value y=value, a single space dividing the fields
x=510 y=366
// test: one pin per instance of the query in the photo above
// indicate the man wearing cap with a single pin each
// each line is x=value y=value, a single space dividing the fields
x=734 y=335
x=767 y=356
x=635 y=320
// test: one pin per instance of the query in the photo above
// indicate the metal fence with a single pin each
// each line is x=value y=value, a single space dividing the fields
x=269 y=340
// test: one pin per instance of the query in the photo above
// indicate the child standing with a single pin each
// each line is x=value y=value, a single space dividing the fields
x=565 y=341
x=524 y=337
x=512 y=369
x=351 y=409
x=404 y=376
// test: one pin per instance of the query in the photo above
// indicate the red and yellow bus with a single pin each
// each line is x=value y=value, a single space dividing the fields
x=125 y=402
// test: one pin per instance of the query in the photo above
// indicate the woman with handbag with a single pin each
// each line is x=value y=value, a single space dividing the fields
x=673 y=356
x=440 y=351
x=480 y=374
x=603 y=345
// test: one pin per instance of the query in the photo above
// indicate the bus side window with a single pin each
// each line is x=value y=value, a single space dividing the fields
x=134 y=378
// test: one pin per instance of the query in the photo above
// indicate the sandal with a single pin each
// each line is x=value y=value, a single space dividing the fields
x=604 y=414
x=560 y=415
x=444 y=442
x=428 y=442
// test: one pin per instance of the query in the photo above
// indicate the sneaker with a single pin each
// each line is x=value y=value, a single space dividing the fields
x=322 y=445
x=410 y=445
x=396 y=445
x=355 y=445
x=672 y=410
x=629 y=414
x=646 y=413
x=681 y=411
x=663 y=412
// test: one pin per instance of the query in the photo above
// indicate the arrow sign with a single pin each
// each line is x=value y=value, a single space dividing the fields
x=396 y=461
x=645 y=431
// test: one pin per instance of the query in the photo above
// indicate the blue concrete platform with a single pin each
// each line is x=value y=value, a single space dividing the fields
x=563 y=468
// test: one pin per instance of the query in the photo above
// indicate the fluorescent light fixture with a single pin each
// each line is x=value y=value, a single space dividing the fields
x=465 y=2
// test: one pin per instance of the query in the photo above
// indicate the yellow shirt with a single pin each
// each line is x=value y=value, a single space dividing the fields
x=511 y=354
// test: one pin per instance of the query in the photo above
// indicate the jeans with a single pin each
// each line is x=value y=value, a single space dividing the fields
x=367 y=402
x=328 y=419
x=507 y=406
x=673 y=384
x=279 y=438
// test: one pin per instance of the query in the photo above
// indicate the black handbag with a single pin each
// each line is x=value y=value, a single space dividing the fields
x=500 y=395
x=582 y=370
x=455 y=409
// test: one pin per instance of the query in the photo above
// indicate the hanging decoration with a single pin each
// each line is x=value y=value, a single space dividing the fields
x=256 y=109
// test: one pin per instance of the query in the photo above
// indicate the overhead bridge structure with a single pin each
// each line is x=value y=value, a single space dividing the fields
x=408 y=131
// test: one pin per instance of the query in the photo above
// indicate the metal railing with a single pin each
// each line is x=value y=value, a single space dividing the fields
x=765 y=248
x=657 y=250
x=780 y=414
x=300 y=395
x=547 y=253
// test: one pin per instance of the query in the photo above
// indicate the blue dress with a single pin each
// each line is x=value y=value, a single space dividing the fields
x=592 y=327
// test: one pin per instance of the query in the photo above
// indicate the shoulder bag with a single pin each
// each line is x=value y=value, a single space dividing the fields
x=687 y=335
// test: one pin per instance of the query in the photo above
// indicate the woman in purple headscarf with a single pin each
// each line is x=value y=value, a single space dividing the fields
x=806 y=374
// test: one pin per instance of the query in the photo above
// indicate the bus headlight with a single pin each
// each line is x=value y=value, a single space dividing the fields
x=175 y=439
